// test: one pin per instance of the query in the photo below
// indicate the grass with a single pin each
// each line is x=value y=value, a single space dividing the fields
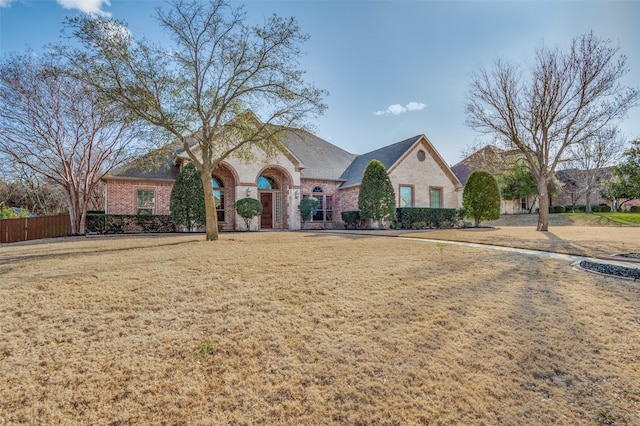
x=622 y=218
x=304 y=328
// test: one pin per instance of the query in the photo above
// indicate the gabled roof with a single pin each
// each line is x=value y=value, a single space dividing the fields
x=490 y=158
x=156 y=165
x=387 y=155
x=320 y=159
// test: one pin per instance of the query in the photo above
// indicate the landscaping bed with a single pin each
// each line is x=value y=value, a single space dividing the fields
x=619 y=271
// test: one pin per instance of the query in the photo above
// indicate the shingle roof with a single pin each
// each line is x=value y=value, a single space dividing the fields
x=157 y=165
x=488 y=157
x=320 y=159
x=387 y=155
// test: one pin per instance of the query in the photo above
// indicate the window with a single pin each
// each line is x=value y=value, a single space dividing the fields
x=145 y=201
x=406 y=196
x=421 y=155
x=219 y=197
x=328 y=211
x=278 y=203
x=265 y=182
x=435 y=195
x=319 y=216
x=325 y=205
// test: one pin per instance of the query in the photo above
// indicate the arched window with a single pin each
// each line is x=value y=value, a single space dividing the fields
x=325 y=206
x=218 y=194
x=265 y=182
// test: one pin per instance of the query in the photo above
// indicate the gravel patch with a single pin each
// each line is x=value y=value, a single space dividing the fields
x=619 y=271
x=629 y=255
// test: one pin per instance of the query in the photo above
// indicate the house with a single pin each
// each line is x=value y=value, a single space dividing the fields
x=305 y=166
x=570 y=183
x=497 y=162
x=574 y=191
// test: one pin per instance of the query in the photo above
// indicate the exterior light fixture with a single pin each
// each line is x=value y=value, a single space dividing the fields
x=297 y=194
x=248 y=191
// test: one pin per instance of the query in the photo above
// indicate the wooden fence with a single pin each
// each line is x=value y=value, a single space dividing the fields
x=34 y=228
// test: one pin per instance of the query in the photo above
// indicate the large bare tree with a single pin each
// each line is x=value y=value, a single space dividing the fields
x=567 y=97
x=56 y=126
x=204 y=89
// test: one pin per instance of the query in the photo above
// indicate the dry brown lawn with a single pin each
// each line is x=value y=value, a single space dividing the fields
x=304 y=328
x=577 y=240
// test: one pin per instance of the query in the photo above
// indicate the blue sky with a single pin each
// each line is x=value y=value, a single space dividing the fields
x=394 y=69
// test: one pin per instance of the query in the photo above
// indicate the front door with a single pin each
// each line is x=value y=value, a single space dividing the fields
x=266 y=218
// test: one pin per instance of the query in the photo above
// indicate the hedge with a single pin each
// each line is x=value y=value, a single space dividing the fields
x=557 y=209
x=635 y=209
x=128 y=223
x=436 y=218
x=351 y=218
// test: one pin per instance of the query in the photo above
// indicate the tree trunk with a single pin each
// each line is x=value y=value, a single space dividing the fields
x=543 y=201
x=587 y=200
x=73 y=211
x=209 y=207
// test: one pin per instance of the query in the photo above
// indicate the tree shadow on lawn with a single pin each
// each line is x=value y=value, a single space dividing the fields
x=73 y=251
x=558 y=245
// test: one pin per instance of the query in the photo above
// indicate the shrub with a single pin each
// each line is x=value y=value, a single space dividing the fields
x=481 y=197
x=581 y=208
x=557 y=209
x=376 y=199
x=351 y=218
x=635 y=209
x=7 y=213
x=605 y=208
x=418 y=225
x=187 y=199
x=308 y=207
x=129 y=223
x=596 y=208
x=431 y=217
x=247 y=209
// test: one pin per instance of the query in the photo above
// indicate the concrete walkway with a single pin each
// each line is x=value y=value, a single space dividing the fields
x=574 y=259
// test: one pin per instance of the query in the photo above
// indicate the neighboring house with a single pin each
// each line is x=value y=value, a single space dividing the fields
x=573 y=191
x=496 y=161
x=306 y=166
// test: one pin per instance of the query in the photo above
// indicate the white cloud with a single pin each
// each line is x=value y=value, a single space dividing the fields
x=396 y=109
x=92 y=7
x=5 y=3
x=415 y=106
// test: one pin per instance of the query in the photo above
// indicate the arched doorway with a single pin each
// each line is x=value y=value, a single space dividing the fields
x=273 y=186
x=267 y=188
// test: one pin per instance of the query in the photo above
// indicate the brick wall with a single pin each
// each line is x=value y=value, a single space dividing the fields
x=349 y=198
x=121 y=195
x=423 y=175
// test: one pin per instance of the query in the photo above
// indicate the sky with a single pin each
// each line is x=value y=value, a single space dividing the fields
x=393 y=69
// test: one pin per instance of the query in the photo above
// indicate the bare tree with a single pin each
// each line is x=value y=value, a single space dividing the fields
x=26 y=189
x=56 y=126
x=570 y=98
x=203 y=90
x=590 y=162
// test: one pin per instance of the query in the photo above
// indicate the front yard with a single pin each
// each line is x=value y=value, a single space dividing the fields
x=304 y=328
